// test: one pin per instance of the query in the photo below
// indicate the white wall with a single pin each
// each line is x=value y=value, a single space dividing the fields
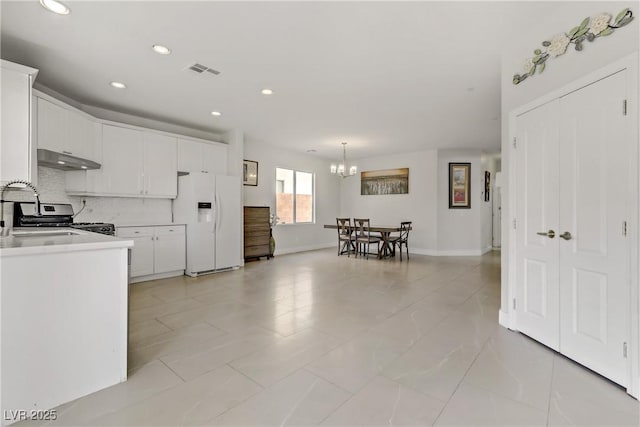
x=419 y=206
x=294 y=237
x=525 y=36
x=437 y=230
x=463 y=231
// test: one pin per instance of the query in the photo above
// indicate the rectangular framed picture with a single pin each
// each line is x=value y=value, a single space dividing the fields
x=459 y=185
x=487 y=186
x=250 y=173
x=381 y=182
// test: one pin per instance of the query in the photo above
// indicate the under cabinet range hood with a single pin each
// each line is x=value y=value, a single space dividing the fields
x=52 y=159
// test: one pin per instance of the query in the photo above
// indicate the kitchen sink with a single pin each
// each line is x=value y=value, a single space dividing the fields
x=45 y=233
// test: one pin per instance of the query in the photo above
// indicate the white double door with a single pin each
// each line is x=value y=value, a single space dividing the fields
x=572 y=183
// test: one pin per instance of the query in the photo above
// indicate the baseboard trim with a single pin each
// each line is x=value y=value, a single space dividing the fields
x=412 y=251
x=464 y=252
x=420 y=251
x=505 y=320
x=156 y=276
x=633 y=390
x=286 y=251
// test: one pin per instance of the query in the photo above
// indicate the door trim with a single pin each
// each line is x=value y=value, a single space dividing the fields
x=508 y=316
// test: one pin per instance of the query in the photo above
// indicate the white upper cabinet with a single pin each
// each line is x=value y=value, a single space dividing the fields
x=122 y=161
x=16 y=150
x=138 y=163
x=196 y=156
x=215 y=159
x=190 y=156
x=160 y=165
x=51 y=125
x=65 y=131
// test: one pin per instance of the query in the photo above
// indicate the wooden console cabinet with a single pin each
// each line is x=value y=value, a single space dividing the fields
x=256 y=232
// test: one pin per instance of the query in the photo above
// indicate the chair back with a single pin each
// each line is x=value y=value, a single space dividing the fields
x=361 y=226
x=405 y=227
x=344 y=227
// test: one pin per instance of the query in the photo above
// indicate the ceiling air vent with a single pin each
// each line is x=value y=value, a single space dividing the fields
x=199 y=68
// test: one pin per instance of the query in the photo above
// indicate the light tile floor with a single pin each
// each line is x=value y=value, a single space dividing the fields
x=312 y=338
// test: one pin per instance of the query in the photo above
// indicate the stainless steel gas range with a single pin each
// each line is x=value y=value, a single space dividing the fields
x=54 y=215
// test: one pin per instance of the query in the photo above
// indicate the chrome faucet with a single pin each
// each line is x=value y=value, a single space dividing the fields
x=5 y=230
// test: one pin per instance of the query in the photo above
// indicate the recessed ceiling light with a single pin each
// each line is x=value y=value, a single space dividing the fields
x=55 y=7
x=60 y=162
x=118 y=85
x=83 y=167
x=267 y=92
x=162 y=50
x=216 y=113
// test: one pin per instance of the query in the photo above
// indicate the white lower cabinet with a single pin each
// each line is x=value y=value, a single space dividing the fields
x=157 y=252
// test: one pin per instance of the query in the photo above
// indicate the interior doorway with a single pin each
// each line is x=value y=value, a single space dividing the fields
x=496 y=211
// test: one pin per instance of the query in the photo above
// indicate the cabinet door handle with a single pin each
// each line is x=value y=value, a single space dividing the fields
x=550 y=234
x=566 y=236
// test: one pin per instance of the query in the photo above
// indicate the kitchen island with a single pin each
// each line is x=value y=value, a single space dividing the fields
x=63 y=302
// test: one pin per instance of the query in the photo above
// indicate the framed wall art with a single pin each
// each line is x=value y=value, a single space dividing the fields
x=388 y=181
x=250 y=173
x=459 y=185
x=487 y=186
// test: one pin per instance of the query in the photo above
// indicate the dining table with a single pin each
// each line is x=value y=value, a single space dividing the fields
x=386 y=249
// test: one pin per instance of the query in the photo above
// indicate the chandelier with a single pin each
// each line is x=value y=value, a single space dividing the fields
x=342 y=169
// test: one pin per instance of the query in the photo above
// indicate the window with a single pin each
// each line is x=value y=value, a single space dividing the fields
x=294 y=196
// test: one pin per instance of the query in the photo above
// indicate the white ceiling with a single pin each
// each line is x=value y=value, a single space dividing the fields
x=383 y=76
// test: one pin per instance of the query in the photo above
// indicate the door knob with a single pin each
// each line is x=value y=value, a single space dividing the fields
x=566 y=235
x=550 y=234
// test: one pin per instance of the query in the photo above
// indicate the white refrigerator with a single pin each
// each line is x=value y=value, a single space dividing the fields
x=210 y=207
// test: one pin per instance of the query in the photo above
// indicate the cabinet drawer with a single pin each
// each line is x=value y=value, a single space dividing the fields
x=252 y=251
x=256 y=228
x=134 y=231
x=170 y=229
x=258 y=240
x=256 y=214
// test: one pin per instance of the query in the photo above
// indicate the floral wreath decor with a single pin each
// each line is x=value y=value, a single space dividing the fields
x=590 y=29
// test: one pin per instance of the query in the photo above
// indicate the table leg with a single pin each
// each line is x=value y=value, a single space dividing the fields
x=385 y=248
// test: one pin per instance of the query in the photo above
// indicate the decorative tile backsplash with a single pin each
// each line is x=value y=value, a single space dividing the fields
x=117 y=210
x=122 y=210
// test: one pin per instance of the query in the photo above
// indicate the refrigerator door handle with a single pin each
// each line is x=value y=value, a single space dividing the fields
x=215 y=214
x=218 y=213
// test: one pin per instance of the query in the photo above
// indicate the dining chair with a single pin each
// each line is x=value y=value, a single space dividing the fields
x=402 y=239
x=364 y=239
x=345 y=236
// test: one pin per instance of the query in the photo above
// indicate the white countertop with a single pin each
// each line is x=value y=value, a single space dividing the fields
x=153 y=224
x=38 y=242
